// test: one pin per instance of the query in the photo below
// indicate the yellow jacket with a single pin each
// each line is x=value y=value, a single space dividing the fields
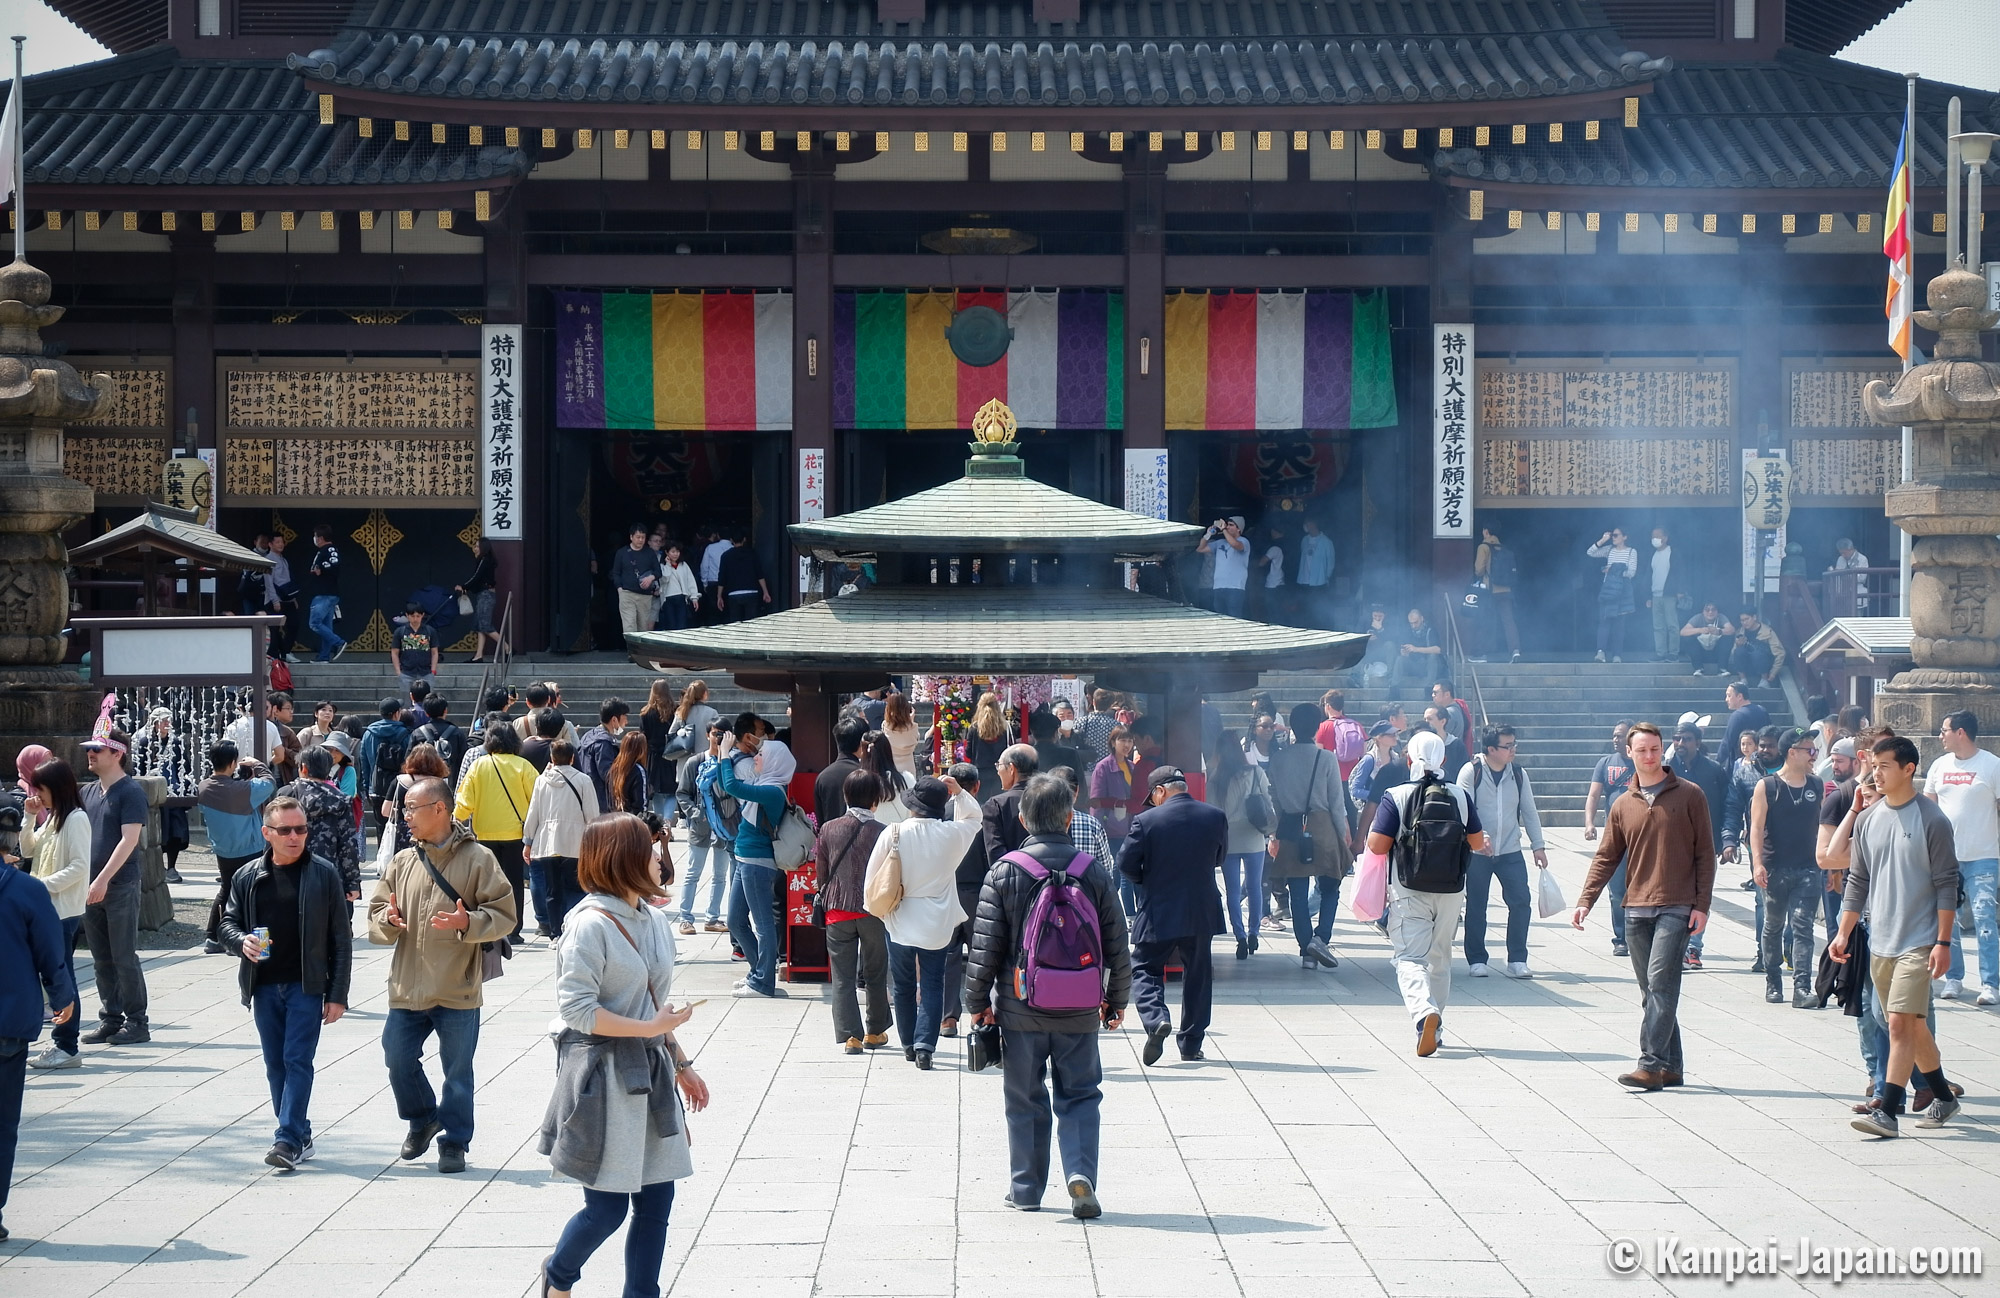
x=493 y=797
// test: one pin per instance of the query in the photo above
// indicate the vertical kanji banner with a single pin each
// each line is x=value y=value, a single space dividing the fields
x=1452 y=433
x=500 y=432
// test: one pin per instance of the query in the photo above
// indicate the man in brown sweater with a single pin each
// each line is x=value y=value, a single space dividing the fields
x=1662 y=834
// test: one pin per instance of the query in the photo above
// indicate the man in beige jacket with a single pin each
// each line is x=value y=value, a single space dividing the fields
x=436 y=903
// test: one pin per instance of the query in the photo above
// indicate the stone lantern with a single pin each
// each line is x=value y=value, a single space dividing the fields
x=1951 y=509
x=40 y=701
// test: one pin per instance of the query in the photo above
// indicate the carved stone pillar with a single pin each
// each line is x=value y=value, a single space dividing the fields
x=40 y=702
x=1951 y=507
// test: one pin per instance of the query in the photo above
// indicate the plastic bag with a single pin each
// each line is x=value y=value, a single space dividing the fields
x=1371 y=888
x=1548 y=895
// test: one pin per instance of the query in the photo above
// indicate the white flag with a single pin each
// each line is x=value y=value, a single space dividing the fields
x=10 y=136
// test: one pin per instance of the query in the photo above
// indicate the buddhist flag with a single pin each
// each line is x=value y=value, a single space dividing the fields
x=1896 y=246
x=1278 y=361
x=678 y=362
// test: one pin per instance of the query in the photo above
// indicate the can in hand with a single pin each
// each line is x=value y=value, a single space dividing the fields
x=263 y=936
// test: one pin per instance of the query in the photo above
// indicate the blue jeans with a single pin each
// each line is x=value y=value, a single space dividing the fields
x=753 y=920
x=916 y=979
x=403 y=1035
x=598 y=1219
x=563 y=891
x=1243 y=889
x=1659 y=950
x=1029 y=1063
x=1511 y=868
x=1313 y=894
x=288 y=1023
x=1751 y=661
x=538 y=892
x=711 y=858
x=1229 y=602
x=1981 y=879
x=320 y=619
x=664 y=803
x=64 y=1034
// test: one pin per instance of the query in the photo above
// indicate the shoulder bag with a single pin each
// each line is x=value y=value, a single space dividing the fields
x=882 y=891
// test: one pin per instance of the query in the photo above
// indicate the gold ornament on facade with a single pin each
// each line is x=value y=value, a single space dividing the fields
x=377 y=537
x=470 y=534
x=279 y=527
x=995 y=423
x=375 y=637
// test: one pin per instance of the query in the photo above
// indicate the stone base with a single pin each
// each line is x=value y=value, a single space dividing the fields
x=1916 y=702
x=48 y=706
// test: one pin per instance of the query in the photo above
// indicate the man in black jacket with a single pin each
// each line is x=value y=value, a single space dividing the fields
x=1692 y=763
x=829 y=799
x=295 y=979
x=741 y=590
x=322 y=591
x=1171 y=854
x=1061 y=1045
x=1001 y=830
x=443 y=734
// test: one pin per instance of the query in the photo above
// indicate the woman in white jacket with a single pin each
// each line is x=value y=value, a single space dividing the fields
x=922 y=924
x=55 y=836
x=563 y=803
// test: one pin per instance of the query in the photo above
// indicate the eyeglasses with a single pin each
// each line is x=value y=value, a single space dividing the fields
x=287 y=830
x=419 y=806
x=1506 y=748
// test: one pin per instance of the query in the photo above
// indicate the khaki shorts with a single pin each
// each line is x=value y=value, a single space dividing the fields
x=1903 y=982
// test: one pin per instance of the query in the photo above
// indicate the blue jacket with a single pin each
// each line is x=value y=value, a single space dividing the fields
x=32 y=961
x=232 y=810
x=1171 y=854
x=371 y=739
x=753 y=840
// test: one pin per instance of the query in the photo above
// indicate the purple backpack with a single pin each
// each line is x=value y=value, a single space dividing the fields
x=1061 y=962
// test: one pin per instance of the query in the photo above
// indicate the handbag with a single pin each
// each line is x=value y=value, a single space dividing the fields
x=1257 y=808
x=982 y=1047
x=464 y=604
x=1548 y=894
x=882 y=891
x=492 y=955
x=1371 y=888
x=385 y=851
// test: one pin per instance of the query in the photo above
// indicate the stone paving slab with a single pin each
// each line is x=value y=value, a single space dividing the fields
x=1313 y=1154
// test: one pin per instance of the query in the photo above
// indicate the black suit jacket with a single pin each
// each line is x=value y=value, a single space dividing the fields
x=1172 y=853
x=1001 y=828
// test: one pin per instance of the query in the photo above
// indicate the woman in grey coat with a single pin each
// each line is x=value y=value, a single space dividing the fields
x=1317 y=826
x=615 y=1122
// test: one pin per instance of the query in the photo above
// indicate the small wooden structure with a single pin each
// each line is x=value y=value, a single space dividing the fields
x=161 y=532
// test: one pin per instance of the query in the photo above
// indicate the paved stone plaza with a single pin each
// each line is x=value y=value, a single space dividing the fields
x=1312 y=1154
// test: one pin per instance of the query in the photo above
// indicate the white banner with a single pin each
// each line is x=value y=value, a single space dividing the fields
x=500 y=464
x=1453 y=433
x=1774 y=554
x=1146 y=482
x=812 y=502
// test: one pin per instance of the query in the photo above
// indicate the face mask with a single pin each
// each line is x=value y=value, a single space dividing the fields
x=1657 y=543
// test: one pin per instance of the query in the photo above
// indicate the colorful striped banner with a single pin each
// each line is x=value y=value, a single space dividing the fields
x=893 y=369
x=679 y=362
x=1273 y=361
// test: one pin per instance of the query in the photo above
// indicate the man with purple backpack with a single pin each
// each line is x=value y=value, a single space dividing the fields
x=1171 y=854
x=1050 y=962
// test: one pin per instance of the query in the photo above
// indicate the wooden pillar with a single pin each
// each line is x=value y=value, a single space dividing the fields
x=812 y=345
x=1145 y=303
x=812 y=723
x=507 y=303
x=194 y=340
x=1183 y=737
x=1761 y=398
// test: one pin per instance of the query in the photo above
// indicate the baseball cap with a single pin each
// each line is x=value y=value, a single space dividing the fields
x=1844 y=747
x=1791 y=737
x=1382 y=728
x=1166 y=775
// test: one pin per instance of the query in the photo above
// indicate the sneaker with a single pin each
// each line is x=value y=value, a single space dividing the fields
x=1518 y=969
x=55 y=1059
x=1600 y=656
x=1614 y=658
x=1989 y=995
x=1427 y=1035
x=213 y=947
x=306 y=1153
x=418 y=1142
x=1803 y=1000
x=337 y=652
x=132 y=1034
x=1083 y=1199
x=1619 y=948
x=1516 y=658
x=751 y=993
x=284 y=1157
x=1307 y=962
x=451 y=1158
x=1693 y=960
x=1018 y=1206
x=174 y=876
x=1953 y=989
x=103 y=1032
x=686 y=929
x=1480 y=970
x=1319 y=951
x=1875 y=1123
x=715 y=926
x=1940 y=1112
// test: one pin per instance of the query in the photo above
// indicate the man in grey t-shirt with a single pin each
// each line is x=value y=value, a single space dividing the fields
x=1904 y=875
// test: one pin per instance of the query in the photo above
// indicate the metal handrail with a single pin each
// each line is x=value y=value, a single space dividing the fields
x=1455 y=649
x=496 y=668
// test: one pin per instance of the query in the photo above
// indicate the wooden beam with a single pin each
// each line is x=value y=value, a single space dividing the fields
x=660 y=271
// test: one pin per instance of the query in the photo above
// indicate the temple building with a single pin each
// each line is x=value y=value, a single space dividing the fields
x=424 y=270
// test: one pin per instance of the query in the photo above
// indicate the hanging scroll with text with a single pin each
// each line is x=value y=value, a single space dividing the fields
x=378 y=433
x=120 y=447
x=500 y=431
x=1452 y=433
x=1836 y=450
x=1560 y=433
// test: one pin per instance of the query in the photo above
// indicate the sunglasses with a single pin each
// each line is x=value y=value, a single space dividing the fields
x=287 y=830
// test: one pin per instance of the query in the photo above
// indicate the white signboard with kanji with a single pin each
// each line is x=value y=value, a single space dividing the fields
x=1452 y=432
x=500 y=475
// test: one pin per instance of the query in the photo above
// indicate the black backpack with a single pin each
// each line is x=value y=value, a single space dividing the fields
x=390 y=752
x=445 y=740
x=1431 y=851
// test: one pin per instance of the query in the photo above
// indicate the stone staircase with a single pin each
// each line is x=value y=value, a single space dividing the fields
x=1562 y=711
x=358 y=683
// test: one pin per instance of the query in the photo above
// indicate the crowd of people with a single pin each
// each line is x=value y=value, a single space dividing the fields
x=1037 y=884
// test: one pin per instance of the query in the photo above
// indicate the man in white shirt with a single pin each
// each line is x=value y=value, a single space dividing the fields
x=711 y=565
x=1846 y=560
x=1666 y=618
x=1224 y=541
x=1965 y=783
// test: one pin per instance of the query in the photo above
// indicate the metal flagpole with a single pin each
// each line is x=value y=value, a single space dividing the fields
x=19 y=94
x=1909 y=354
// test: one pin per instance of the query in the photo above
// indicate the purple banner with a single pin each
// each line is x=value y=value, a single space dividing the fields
x=1329 y=359
x=579 y=360
x=1081 y=321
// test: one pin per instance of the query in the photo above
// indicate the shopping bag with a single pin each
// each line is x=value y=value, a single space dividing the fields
x=1548 y=894
x=1371 y=888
